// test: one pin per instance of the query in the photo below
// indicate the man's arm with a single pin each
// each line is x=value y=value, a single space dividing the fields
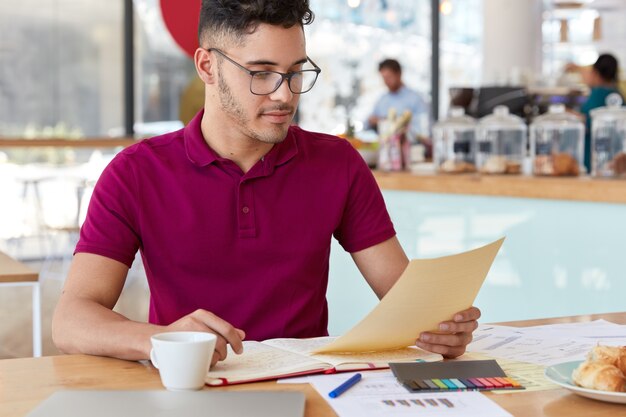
x=382 y=265
x=84 y=320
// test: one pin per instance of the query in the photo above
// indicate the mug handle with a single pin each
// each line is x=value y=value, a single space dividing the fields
x=153 y=359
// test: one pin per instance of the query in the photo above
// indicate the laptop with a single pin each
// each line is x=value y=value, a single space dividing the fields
x=171 y=404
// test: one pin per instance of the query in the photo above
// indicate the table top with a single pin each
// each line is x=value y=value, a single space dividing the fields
x=14 y=271
x=24 y=383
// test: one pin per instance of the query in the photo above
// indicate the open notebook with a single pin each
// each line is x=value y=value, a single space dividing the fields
x=280 y=358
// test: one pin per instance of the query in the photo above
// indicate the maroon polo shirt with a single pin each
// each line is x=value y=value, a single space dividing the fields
x=252 y=248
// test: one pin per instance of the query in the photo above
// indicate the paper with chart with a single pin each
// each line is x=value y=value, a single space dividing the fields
x=428 y=292
x=546 y=345
x=379 y=394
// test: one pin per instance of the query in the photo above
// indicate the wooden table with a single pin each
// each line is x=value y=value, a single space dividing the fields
x=24 y=383
x=16 y=274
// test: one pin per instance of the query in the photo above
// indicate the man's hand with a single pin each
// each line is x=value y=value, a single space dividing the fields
x=205 y=321
x=373 y=121
x=453 y=336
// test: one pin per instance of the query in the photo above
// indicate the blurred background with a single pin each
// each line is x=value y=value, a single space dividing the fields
x=90 y=77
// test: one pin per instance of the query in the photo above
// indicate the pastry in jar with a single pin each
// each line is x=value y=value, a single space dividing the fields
x=543 y=165
x=451 y=166
x=618 y=164
x=564 y=164
x=494 y=165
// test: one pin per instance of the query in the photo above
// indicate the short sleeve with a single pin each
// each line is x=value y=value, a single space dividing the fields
x=365 y=221
x=111 y=228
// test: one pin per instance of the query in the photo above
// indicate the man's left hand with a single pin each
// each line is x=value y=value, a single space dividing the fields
x=453 y=336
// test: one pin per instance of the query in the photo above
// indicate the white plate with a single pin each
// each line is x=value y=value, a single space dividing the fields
x=561 y=374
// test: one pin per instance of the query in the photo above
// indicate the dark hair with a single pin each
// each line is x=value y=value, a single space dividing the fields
x=606 y=66
x=390 y=64
x=230 y=20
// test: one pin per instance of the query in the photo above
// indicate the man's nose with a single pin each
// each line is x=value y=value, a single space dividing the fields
x=283 y=92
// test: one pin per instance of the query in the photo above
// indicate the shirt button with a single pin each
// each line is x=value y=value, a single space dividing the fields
x=245 y=210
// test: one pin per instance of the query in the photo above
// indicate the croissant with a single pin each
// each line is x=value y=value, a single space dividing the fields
x=611 y=355
x=599 y=376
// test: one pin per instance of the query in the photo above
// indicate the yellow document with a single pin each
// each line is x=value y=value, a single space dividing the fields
x=530 y=375
x=428 y=292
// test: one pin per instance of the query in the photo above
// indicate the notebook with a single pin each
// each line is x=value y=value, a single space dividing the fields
x=281 y=358
x=448 y=376
x=171 y=404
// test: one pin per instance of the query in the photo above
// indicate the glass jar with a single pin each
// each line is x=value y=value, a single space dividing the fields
x=557 y=143
x=608 y=139
x=501 y=143
x=454 y=140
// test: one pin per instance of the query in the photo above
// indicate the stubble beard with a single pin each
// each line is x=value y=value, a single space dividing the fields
x=235 y=111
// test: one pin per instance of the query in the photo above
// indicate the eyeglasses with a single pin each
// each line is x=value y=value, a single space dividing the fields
x=263 y=83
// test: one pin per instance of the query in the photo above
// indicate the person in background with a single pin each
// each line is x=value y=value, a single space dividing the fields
x=603 y=80
x=234 y=214
x=400 y=98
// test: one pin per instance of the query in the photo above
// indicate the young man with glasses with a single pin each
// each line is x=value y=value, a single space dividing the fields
x=234 y=214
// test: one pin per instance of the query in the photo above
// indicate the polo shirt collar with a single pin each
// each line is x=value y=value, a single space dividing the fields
x=201 y=154
x=198 y=151
x=281 y=153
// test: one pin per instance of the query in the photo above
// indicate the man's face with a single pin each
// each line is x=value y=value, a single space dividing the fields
x=269 y=48
x=392 y=79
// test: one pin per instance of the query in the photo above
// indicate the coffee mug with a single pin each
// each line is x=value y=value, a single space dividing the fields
x=182 y=358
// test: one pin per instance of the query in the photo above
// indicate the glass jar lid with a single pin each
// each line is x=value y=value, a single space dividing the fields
x=501 y=118
x=457 y=119
x=613 y=110
x=557 y=116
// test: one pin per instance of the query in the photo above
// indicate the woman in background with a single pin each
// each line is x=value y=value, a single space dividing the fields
x=603 y=79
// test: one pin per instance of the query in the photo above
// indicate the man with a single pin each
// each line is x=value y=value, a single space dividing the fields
x=234 y=214
x=400 y=98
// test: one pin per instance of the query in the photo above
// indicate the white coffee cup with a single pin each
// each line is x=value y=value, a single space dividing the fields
x=182 y=358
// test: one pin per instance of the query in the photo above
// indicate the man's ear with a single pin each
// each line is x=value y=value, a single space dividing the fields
x=206 y=65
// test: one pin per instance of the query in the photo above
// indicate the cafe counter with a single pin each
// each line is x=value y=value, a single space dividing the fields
x=558 y=188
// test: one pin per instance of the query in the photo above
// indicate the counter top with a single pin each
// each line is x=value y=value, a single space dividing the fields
x=71 y=143
x=557 y=188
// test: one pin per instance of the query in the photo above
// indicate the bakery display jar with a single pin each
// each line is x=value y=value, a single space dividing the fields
x=557 y=143
x=608 y=139
x=454 y=142
x=501 y=142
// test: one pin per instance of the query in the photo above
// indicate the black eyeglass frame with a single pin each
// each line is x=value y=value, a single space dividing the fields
x=284 y=76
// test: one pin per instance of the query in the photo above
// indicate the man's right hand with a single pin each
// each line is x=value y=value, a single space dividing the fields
x=372 y=121
x=205 y=321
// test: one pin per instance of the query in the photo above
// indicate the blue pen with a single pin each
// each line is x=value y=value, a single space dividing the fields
x=345 y=386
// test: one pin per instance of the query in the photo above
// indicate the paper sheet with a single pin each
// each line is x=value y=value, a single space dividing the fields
x=545 y=345
x=379 y=394
x=530 y=375
x=377 y=359
x=428 y=292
